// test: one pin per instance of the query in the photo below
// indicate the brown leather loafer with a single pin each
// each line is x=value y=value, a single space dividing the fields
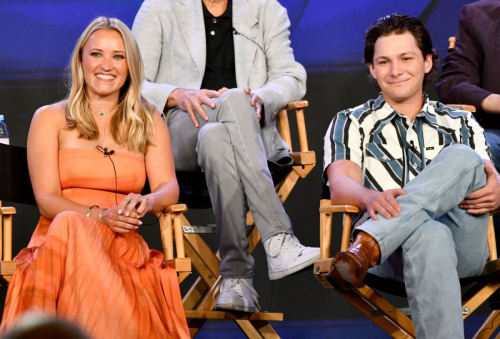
x=349 y=267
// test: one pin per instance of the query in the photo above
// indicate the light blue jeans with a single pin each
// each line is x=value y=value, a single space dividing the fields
x=433 y=243
x=493 y=138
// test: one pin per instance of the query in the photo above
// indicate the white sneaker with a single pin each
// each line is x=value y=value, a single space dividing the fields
x=285 y=255
x=237 y=295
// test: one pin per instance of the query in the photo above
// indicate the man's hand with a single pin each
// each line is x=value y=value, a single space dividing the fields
x=384 y=203
x=491 y=103
x=485 y=199
x=190 y=101
x=255 y=101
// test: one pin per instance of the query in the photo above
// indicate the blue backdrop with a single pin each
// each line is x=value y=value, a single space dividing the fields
x=327 y=36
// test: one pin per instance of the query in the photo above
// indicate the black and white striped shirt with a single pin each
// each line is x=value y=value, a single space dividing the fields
x=389 y=148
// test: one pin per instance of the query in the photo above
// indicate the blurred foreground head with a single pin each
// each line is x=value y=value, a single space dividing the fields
x=40 y=326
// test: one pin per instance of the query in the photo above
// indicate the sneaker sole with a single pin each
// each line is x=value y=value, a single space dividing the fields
x=235 y=308
x=275 y=275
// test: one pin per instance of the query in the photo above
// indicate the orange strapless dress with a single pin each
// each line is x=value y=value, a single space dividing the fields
x=111 y=285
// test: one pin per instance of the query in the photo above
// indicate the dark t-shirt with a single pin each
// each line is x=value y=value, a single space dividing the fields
x=220 y=69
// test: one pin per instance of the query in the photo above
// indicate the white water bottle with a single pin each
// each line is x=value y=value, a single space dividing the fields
x=4 y=132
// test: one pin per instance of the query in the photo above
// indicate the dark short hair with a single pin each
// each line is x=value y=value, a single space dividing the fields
x=399 y=24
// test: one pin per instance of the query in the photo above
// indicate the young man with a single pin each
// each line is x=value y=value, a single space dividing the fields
x=422 y=174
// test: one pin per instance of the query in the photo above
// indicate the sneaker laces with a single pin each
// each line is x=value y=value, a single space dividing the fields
x=237 y=285
x=289 y=243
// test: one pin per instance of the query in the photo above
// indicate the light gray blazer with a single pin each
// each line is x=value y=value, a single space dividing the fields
x=171 y=37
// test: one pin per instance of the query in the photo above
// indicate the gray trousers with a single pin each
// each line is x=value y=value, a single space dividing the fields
x=433 y=242
x=229 y=149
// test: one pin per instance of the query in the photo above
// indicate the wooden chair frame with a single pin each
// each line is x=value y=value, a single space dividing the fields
x=169 y=221
x=377 y=308
x=199 y=300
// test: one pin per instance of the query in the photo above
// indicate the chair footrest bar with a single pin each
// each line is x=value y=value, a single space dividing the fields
x=263 y=316
x=406 y=311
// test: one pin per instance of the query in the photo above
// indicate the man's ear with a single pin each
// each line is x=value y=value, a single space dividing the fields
x=428 y=63
x=372 y=71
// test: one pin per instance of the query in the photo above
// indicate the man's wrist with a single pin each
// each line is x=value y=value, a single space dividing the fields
x=172 y=99
x=491 y=104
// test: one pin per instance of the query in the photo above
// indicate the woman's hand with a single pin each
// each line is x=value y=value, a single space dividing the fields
x=136 y=205
x=119 y=223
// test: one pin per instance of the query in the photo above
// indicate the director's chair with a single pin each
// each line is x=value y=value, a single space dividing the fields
x=389 y=318
x=199 y=302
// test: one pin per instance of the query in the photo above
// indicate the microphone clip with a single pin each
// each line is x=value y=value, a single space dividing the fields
x=105 y=151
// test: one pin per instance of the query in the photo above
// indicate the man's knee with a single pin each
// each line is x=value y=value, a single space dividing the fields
x=234 y=94
x=461 y=153
x=234 y=101
x=213 y=138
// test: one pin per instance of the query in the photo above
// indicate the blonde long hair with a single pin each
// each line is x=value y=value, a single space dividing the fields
x=133 y=111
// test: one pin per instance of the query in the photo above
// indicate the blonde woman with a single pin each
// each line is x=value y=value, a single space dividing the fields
x=88 y=159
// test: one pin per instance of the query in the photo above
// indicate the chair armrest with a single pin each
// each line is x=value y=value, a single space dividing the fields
x=338 y=209
x=297 y=104
x=284 y=125
x=326 y=211
x=178 y=208
x=469 y=108
x=7 y=210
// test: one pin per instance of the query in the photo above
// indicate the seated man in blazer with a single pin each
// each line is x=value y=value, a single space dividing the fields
x=219 y=70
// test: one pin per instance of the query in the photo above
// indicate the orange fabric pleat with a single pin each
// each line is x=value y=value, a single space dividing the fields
x=111 y=285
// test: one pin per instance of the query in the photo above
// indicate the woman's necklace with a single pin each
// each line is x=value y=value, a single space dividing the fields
x=102 y=112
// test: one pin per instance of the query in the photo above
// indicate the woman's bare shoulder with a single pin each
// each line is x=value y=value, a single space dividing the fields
x=53 y=113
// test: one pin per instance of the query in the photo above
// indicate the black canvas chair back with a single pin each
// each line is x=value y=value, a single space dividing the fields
x=15 y=183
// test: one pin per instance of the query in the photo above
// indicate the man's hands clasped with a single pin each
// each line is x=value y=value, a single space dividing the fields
x=126 y=217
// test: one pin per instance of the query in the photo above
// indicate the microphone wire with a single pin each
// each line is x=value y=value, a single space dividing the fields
x=235 y=32
x=108 y=155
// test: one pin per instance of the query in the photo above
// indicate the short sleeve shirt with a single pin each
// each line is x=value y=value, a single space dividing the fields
x=389 y=148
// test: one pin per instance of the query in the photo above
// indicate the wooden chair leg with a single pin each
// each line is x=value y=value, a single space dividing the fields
x=195 y=326
x=491 y=239
x=265 y=330
x=325 y=231
x=167 y=236
x=387 y=325
x=194 y=294
x=489 y=326
x=249 y=330
x=207 y=265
